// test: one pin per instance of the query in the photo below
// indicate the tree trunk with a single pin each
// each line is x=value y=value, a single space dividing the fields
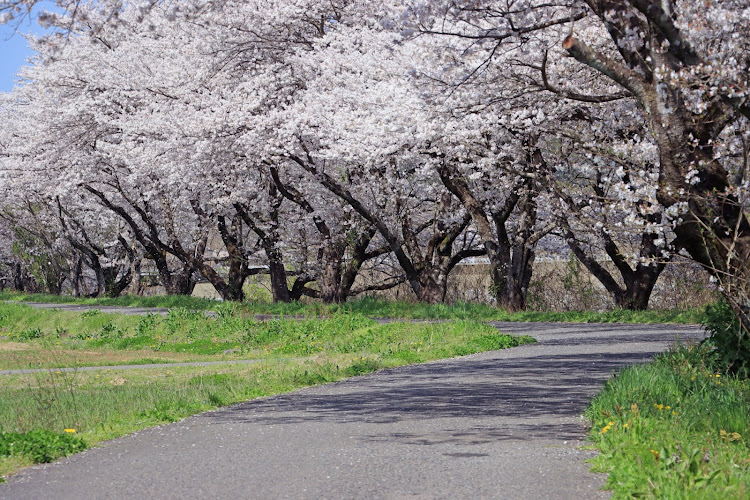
x=137 y=283
x=75 y=279
x=235 y=287
x=639 y=282
x=23 y=281
x=114 y=287
x=513 y=297
x=330 y=281
x=518 y=275
x=180 y=282
x=433 y=289
x=184 y=281
x=279 y=286
x=238 y=268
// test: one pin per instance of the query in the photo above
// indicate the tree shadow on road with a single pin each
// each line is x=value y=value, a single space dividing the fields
x=526 y=395
x=531 y=393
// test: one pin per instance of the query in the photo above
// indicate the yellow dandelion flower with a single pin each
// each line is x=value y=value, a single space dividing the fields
x=659 y=407
x=625 y=426
x=70 y=431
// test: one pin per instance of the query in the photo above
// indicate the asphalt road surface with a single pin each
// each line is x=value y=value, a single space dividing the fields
x=502 y=424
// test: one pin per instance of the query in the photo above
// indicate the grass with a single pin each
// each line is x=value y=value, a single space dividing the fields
x=36 y=355
x=105 y=404
x=182 y=335
x=109 y=403
x=674 y=428
x=375 y=308
x=41 y=446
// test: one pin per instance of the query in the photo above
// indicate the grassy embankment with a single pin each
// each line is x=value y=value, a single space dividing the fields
x=635 y=409
x=375 y=308
x=105 y=404
x=674 y=428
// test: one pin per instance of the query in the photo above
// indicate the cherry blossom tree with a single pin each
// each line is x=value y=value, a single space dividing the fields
x=680 y=63
x=168 y=147
x=488 y=151
x=686 y=67
x=443 y=129
x=359 y=137
x=597 y=222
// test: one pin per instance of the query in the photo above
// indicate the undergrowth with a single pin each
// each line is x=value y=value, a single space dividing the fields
x=730 y=343
x=377 y=308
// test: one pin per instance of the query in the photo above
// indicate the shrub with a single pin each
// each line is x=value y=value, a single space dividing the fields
x=730 y=342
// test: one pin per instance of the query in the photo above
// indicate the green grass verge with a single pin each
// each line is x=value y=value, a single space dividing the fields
x=375 y=308
x=234 y=335
x=109 y=403
x=674 y=428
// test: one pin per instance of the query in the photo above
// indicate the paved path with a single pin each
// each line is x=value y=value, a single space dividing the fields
x=130 y=311
x=503 y=424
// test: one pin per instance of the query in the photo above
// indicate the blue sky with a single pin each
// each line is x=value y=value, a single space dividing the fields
x=14 y=51
x=14 y=54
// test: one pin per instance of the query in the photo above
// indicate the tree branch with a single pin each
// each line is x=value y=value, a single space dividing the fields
x=678 y=46
x=575 y=96
x=625 y=77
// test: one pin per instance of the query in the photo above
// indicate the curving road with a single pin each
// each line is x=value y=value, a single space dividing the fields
x=502 y=424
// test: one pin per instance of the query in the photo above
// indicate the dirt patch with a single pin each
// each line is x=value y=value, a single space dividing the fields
x=14 y=346
x=15 y=355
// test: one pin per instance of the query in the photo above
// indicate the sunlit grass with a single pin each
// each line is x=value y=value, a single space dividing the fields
x=674 y=428
x=33 y=355
x=181 y=335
